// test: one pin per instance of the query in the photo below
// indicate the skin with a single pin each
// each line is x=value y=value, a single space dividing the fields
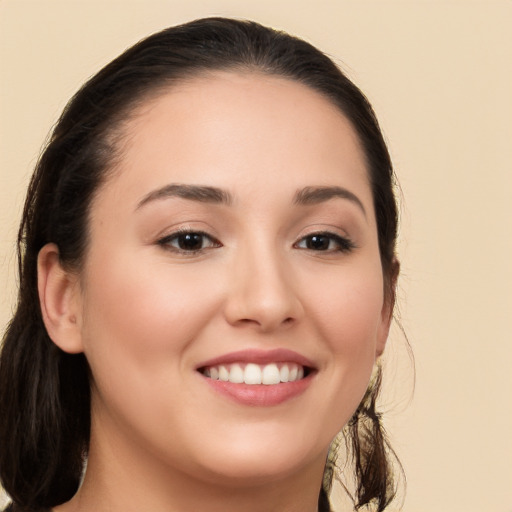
x=146 y=314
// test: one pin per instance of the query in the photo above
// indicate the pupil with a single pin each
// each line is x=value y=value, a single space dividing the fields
x=318 y=242
x=191 y=241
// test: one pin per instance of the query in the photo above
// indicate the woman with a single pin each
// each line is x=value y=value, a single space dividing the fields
x=208 y=271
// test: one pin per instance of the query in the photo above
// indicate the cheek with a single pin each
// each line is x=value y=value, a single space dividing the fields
x=138 y=326
x=349 y=313
x=141 y=316
x=348 y=316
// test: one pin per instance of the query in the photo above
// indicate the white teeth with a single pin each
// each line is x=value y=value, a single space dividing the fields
x=268 y=374
x=252 y=374
x=236 y=374
x=223 y=373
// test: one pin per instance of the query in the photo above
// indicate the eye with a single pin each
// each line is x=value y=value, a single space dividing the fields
x=325 y=242
x=188 y=242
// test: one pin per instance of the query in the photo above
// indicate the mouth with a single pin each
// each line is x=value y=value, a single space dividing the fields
x=253 y=374
x=259 y=377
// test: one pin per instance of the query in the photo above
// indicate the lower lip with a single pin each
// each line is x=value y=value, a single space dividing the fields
x=260 y=395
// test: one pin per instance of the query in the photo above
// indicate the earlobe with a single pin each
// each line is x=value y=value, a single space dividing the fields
x=60 y=300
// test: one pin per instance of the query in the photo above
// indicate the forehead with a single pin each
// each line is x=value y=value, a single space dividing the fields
x=230 y=128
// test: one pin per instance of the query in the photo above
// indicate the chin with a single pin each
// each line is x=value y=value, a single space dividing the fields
x=252 y=462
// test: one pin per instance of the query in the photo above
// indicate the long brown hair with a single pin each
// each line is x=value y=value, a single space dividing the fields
x=44 y=392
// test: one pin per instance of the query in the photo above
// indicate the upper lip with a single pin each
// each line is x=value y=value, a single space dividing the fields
x=258 y=356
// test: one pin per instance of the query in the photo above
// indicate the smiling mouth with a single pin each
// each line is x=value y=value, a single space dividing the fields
x=254 y=374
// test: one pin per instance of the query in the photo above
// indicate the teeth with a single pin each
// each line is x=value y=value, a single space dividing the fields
x=236 y=374
x=223 y=373
x=251 y=373
x=270 y=375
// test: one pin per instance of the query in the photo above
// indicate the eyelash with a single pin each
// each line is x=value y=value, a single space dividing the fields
x=342 y=244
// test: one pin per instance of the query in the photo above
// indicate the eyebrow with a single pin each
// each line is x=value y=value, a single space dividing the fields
x=214 y=195
x=201 y=193
x=315 y=195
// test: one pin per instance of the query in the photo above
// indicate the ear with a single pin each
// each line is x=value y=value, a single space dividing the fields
x=388 y=307
x=59 y=296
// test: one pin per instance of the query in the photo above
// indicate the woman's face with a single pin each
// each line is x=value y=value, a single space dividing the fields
x=235 y=240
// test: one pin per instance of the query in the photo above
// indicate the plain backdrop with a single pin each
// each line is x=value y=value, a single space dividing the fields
x=439 y=76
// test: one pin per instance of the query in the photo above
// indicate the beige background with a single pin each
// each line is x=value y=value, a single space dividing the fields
x=439 y=75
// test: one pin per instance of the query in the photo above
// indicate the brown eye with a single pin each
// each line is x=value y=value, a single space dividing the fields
x=318 y=242
x=189 y=242
x=325 y=242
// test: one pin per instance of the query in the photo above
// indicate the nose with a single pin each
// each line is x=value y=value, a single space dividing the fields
x=262 y=292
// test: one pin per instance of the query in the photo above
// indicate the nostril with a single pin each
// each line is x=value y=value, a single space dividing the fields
x=247 y=321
